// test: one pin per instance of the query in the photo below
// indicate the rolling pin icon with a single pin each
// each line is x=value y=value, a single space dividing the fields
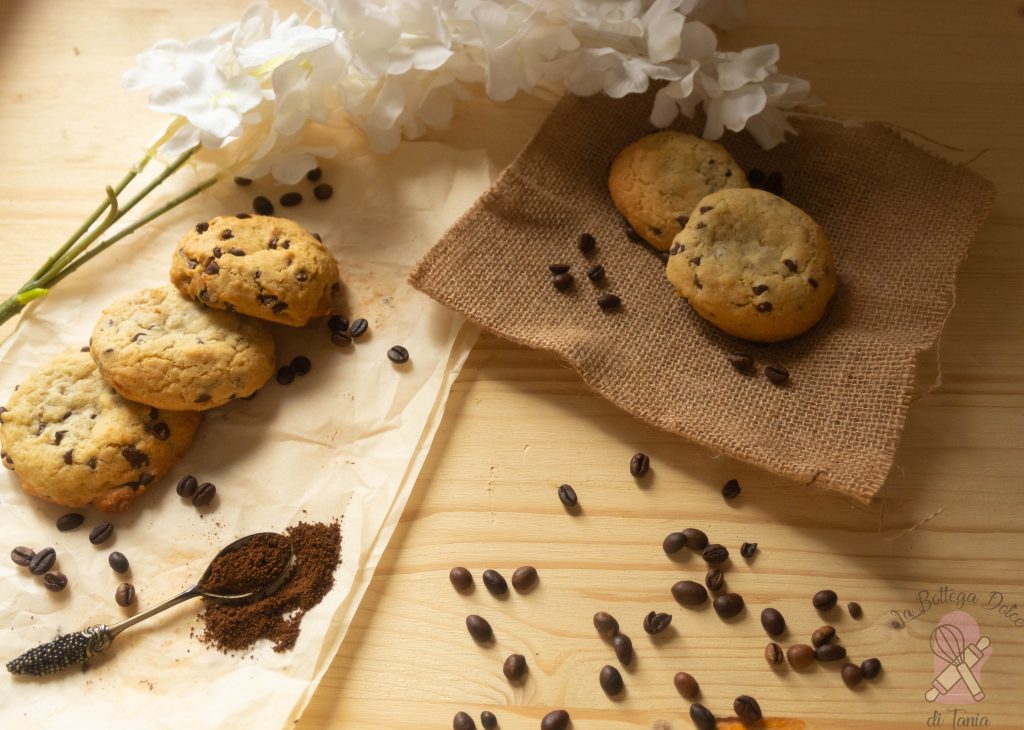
x=947 y=643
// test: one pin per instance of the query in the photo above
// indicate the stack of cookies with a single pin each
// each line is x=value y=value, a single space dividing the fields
x=747 y=261
x=100 y=425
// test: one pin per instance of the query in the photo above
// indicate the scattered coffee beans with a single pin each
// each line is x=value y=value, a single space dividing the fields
x=285 y=375
x=640 y=464
x=702 y=717
x=800 y=656
x=398 y=355
x=595 y=273
x=830 y=652
x=715 y=554
x=323 y=191
x=461 y=578
x=125 y=595
x=101 y=533
x=242 y=181
x=748 y=549
x=673 y=542
x=337 y=323
x=655 y=623
x=204 y=494
x=611 y=680
x=567 y=495
x=852 y=675
x=824 y=600
x=686 y=685
x=689 y=593
x=728 y=605
x=558 y=268
x=773 y=653
x=854 y=609
x=562 y=282
x=607 y=302
x=301 y=365
x=623 y=647
x=463 y=721
x=731 y=490
x=118 y=562
x=478 y=628
x=341 y=339
x=823 y=635
x=495 y=583
x=773 y=183
x=22 y=556
x=743 y=362
x=55 y=581
x=358 y=328
x=187 y=486
x=714 y=579
x=776 y=374
x=746 y=708
x=488 y=720
x=69 y=521
x=773 y=622
x=606 y=624
x=314 y=174
x=524 y=578
x=557 y=720
x=262 y=205
x=695 y=538
x=290 y=199
x=586 y=242
x=871 y=668
x=514 y=667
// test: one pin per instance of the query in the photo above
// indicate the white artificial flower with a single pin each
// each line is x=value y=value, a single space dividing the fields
x=287 y=39
x=162 y=65
x=285 y=158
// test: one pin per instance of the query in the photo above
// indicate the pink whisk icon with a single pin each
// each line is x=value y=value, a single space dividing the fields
x=948 y=643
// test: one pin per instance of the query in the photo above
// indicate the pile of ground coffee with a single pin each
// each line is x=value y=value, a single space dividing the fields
x=277 y=617
x=253 y=566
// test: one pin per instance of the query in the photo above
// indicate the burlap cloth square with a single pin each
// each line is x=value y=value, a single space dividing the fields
x=900 y=221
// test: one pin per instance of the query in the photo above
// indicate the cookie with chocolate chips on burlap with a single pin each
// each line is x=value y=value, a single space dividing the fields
x=160 y=348
x=658 y=180
x=72 y=440
x=262 y=266
x=753 y=265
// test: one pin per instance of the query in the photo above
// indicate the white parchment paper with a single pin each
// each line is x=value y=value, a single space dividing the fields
x=346 y=441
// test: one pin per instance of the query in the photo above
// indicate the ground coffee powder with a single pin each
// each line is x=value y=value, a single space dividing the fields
x=251 y=567
x=277 y=617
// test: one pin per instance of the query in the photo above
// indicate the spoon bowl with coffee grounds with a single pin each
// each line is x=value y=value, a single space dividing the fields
x=250 y=568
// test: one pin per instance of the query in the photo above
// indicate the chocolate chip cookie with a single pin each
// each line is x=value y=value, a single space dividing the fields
x=266 y=267
x=753 y=265
x=160 y=348
x=658 y=180
x=72 y=440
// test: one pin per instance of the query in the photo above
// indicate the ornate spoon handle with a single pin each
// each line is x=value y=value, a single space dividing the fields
x=62 y=652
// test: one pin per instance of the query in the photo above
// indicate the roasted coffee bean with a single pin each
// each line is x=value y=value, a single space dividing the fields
x=285 y=375
x=773 y=622
x=69 y=521
x=242 y=181
x=611 y=680
x=478 y=628
x=204 y=494
x=323 y=191
x=524 y=578
x=633 y=236
x=586 y=242
x=823 y=635
x=337 y=323
x=42 y=561
x=314 y=174
x=689 y=593
x=125 y=595
x=854 y=609
x=623 y=647
x=488 y=720
x=118 y=562
x=715 y=554
x=595 y=273
x=558 y=268
x=746 y=708
x=773 y=653
x=800 y=656
x=714 y=579
x=290 y=199
x=568 y=495
x=852 y=675
x=695 y=538
x=743 y=362
x=773 y=183
x=187 y=486
x=562 y=281
x=262 y=205
x=358 y=328
x=22 y=556
x=301 y=365
x=398 y=354
x=871 y=668
x=776 y=374
x=728 y=605
x=673 y=542
x=463 y=721
x=495 y=583
x=101 y=533
x=639 y=464
x=748 y=549
x=731 y=490
x=824 y=600
x=686 y=685
x=830 y=652
x=55 y=581
x=606 y=624
x=607 y=302
x=514 y=667
x=702 y=717
x=655 y=623
x=461 y=578
x=341 y=339
x=557 y=720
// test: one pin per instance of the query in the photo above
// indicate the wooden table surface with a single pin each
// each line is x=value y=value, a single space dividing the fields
x=947 y=530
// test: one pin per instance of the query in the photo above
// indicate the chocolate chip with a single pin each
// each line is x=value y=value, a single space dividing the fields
x=696 y=282
x=586 y=243
x=595 y=273
x=317 y=237
x=279 y=307
x=777 y=374
x=607 y=302
x=145 y=479
x=272 y=243
x=101 y=533
x=40 y=429
x=69 y=457
x=192 y=263
x=203 y=398
x=655 y=231
x=236 y=252
x=242 y=216
x=683 y=220
x=134 y=457
x=212 y=268
x=58 y=436
x=562 y=281
x=790 y=264
x=701 y=224
x=314 y=174
x=813 y=283
x=160 y=430
x=706 y=208
x=262 y=205
x=763 y=307
x=69 y=521
x=202 y=227
x=266 y=299
x=676 y=248
x=760 y=289
x=226 y=234
x=243 y=181
x=92 y=463
x=291 y=199
x=217 y=252
x=323 y=191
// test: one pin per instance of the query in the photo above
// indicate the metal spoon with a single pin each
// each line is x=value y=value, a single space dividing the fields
x=71 y=649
